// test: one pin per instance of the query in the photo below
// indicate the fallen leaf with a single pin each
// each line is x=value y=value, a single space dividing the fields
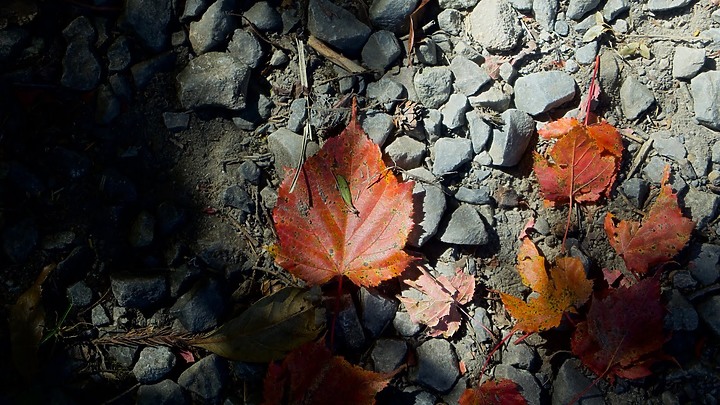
x=321 y=237
x=414 y=17
x=312 y=375
x=269 y=329
x=585 y=162
x=435 y=301
x=26 y=323
x=563 y=289
x=662 y=234
x=623 y=334
x=493 y=392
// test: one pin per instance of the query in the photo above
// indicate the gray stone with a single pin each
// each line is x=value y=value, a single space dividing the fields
x=81 y=69
x=705 y=89
x=667 y=144
x=681 y=314
x=635 y=98
x=387 y=92
x=137 y=291
x=433 y=86
x=457 y=4
x=166 y=392
x=571 y=66
x=150 y=21
x=545 y=12
x=406 y=153
x=562 y=28
x=437 y=365
x=462 y=48
x=653 y=169
x=578 y=8
x=99 y=316
x=391 y=15
x=523 y=6
x=450 y=21
x=404 y=325
x=286 y=147
x=666 y=5
x=200 y=309
x=508 y=72
x=429 y=202
x=703 y=207
x=477 y=196
x=377 y=311
x=683 y=280
x=427 y=52
x=521 y=356
x=381 y=50
x=154 y=364
x=169 y=217
x=298 y=115
x=704 y=266
x=269 y=197
x=469 y=76
x=494 y=98
x=494 y=24
x=687 y=62
x=58 y=241
x=482 y=325
x=432 y=123
x=237 y=197
x=710 y=313
x=206 y=378
x=585 y=55
x=79 y=294
x=540 y=92
x=479 y=131
x=388 y=354
x=570 y=382
x=118 y=54
x=11 y=42
x=453 y=112
x=464 y=227
x=348 y=329
x=246 y=48
x=450 y=154
x=175 y=121
x=142 y=230
x=214 y=79
x=214 y=28
x=278 y=58
x=529 y=386
x=123 y=355
x=378 y=126
x=636 y=190
x=336 y=26
x=249 y=172
x=509 y=144
x=264 y=17
x=194 y=9
x=614 y=8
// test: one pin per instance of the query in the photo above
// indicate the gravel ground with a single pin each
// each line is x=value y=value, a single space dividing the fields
x=142 y=145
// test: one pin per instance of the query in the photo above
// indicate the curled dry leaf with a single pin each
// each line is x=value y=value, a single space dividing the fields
x=323 y=235
x=562 y=289
x=493 y=392
x=312 y=375
x=623 y=334
x=662 y=234
x=435 y=301
x=269 y=329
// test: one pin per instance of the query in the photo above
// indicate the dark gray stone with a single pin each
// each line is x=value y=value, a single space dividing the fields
x=194 y=9
x=79 y=294
x=99 y=316
x=11 y=42
x=521 y=356
x=286 y=147
x=450 y=154
x=681 y=314
x=457 y=4
x=377 y=311
x=464 y=227
x=388 y=354
x=175 y=121
x=123 y=355
x=246 y=47
x=481 y=325
x=635 y=98
x=199 y=309
x=705 y=89
x=710 y=313
x=577 y=9
x=570 y=382
x=214 y=28
x=429 y=205
x=237 y=197
x=81 y=69
x=214 y=80
x=437 y=365
x=636 y=190
x=477 y=196
x=704 y=265
x=137 y=291
x=703 y=206
x=150 y=21
x=118 y=54
x=169 y=217
x=298 y=115
x=264 y=17
x=509 y=144
x=348 y=328
x=387 y=92
x=469 y=76
x=378 y=126
x=142 y=230
x=404 y=325
x=540 y=92
x=391 y=15
x=336 y=26
x=166 y=392
x=433 y=86
x=206 y=379
x=19 y=240
x=450 y=21
x=249 y=172
x=494 y=24
x=154 y=364
x=529 y=386
x=107 y=105
x=406 y=153
x=381 y=50
x=143 y=72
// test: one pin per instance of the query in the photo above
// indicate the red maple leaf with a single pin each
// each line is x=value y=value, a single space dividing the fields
x=348 y=215
x=623 y=334
x=493 y=392
x=563 y=289
x=663 y=233
x=312 y=375
x=438 y=301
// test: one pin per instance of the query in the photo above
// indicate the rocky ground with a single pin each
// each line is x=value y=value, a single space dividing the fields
x=142 y=145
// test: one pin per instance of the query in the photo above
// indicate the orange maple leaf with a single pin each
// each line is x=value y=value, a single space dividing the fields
x=493 y=392
x=623 y=334
x=663 y=233
x=563 y=289
x=348 y=215
x=312 y=375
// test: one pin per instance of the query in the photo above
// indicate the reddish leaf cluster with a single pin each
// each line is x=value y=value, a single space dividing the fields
x=324 y=234
x=584 y=163
x=493 y=392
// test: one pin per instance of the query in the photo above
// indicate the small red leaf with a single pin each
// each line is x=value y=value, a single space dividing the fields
x=558 y=128
x=494 y=392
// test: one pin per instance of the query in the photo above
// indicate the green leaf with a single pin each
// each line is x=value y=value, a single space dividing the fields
x=630 y=49
x=644 y=51
x=344 y=189
x=599 y=20
x=594 y=32
x=269 y=329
